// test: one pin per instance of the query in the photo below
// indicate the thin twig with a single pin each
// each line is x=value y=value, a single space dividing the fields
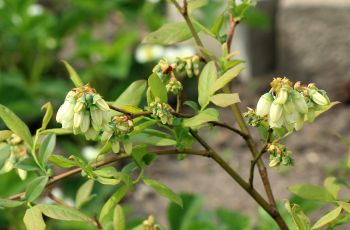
x=112 y=159
x=226 y=126
x=256 y=159
x=234 y=175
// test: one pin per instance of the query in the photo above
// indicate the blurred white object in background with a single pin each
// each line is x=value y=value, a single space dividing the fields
x=90 y=153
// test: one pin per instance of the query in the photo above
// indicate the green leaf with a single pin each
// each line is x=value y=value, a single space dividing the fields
x=180 y=218
x=207 y=79
x=202 y=28
x=226 y=78
x=47 y=116
x=113 y=201
x=35 y=188
x=163 y=190
x=132 y=95
x=61 y=161
x=5 y=203
x=326 y=108
x=27 y=164
x=4 y=134
x=192 y=105
x=83 y=193
x=329 y=217
x=169 y=34
x=73 y=75
x=138 y=154
x=348 y=160
x=195 y=4
x=153 y=140
x=233 y=220
x=344 y=205
x=157 y=88
x=61 y=213
x=46 y=148
x=33 y=219
x=298 y=216
x=225 y=99
x=16 y=125
x=57 y=131
x=118 y=218
x=202 y=118
x=215 y=29
x=311 y=192
x=332 y=186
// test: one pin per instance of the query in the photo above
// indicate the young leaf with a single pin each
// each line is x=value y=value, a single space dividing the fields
x=113 y=201
x=215 y=29
x=73 y=75
x=298 y=216
x=332 y=186
x=344 y=205
x=206 y=79
x=118 y=218
x=33 y=219
x=169 y=34
x=202 y=28
x=132 y=95
x=46 y=148
x=16 y=125
x=329 y=217
x=195 y=4
x=202 y=117
x=311 y=192
x=163 y=190
x=157 y=88
x=83 y=193
x=61 y=213
x=226 y=78
x=47 y=116
x=61 y=161
x=225 y=99
x=35 y=188
x=5 y=203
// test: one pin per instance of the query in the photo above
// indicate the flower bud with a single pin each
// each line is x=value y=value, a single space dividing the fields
x=264 y=104
x=85 y=123
x=91 y=134
x=22 y=174
x=102 y=104
x=275 y=112
x=115 y=146
x=311 y=115
x=106 y=135
x=282 y=96
x=318 y=98
x=274 y=162
x=189 y=68
x=97 y=118
x=299 y=102
x=79 y=106
x=78 y=119
x=299 y=124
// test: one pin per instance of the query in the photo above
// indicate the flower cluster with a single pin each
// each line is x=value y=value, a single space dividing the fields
x=150 y=224
x=161 y=111
x=288 y=106
x=83 y=111
x=14 y=147
x=117 y=130
x=174 y=86
x=189 y=66
x=163 y=69
x=279 y=155
x=252 y=118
